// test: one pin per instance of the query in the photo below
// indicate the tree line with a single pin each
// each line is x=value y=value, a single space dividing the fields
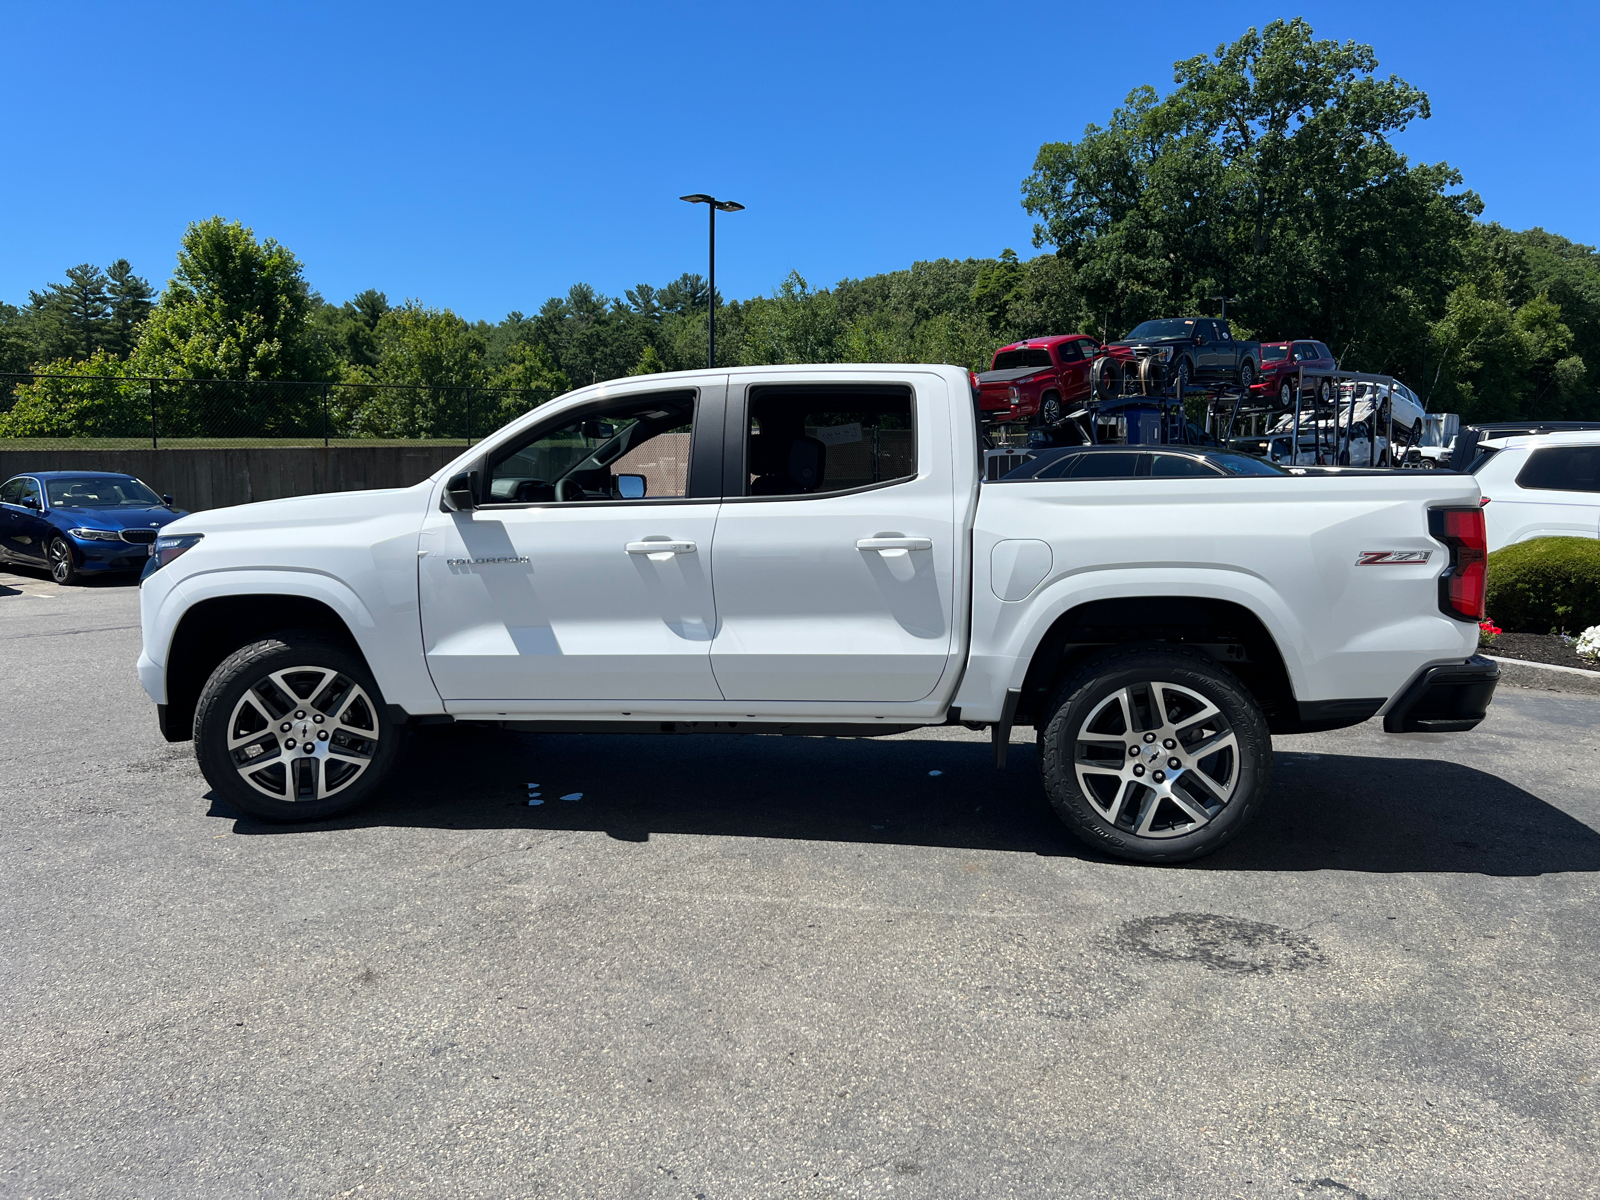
x=1267 y=175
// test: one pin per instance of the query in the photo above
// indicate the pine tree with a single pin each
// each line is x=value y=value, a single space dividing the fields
x=131 y=300
x=73 y=318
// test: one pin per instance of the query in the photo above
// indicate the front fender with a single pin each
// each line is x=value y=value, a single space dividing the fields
x=392 y=648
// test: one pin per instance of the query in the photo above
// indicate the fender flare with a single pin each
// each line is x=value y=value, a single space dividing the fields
x=266 y=581
x=1247 y=590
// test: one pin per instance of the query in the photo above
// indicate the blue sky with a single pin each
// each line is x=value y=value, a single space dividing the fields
x=484 y=156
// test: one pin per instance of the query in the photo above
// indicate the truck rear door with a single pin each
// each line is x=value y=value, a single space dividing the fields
x=834 y=561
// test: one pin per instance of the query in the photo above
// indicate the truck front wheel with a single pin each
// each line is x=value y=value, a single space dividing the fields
x=293 y=728
x=1155 y=754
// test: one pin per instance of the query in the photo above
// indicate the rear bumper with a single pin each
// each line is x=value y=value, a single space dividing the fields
x=1450 y=698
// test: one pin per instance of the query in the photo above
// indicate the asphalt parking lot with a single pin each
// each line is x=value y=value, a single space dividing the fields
x=781 y=967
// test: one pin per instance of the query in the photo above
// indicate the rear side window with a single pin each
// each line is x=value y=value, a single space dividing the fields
x=1114 y=465
x=802 y=441
x=1562 y=469
x=11 y=493
x=1070 y=351
x=1174 y=466
x=1027 y=356
x=1322 y=351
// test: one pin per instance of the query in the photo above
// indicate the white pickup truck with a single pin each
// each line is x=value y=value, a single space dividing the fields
x=810 y=550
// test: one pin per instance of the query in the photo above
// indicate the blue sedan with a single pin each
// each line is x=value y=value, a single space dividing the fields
x=78 y=523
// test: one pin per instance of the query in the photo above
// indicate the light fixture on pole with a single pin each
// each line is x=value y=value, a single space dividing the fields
x=711 y=297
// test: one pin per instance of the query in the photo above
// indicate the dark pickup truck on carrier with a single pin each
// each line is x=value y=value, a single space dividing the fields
x=1191 y=350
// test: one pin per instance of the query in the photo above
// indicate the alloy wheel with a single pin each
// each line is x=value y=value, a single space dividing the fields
x=60 y=561
x=301 y=734
x=1157 y=760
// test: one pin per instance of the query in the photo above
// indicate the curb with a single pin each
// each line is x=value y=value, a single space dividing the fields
x=1547 y=677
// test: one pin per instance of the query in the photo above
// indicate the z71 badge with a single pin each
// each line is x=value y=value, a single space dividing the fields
x=1384 y=558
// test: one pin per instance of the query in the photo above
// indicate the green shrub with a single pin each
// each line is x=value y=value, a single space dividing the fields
x=1547 y=584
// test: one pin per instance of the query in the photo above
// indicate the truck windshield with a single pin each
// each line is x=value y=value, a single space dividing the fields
x=1162 y=329
x=1274 y=353
x=1026 y=356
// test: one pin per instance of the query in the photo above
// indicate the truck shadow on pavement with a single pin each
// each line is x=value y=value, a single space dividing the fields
x=1326 y=811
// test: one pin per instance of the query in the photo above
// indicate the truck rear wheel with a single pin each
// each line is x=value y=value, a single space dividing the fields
x=293 y=728
x=1155 y=754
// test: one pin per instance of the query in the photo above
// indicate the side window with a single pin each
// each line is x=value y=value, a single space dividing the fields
x=11 y=492
x=1070 y=352
x=1115 y=464
x=1175 y=466
x=1562 y=469
x=803 y=441
x=636 y=449
x=29 y=491
x=1323 y=351
x=1302 y=352
x=1222 y=331
x=1061 y=468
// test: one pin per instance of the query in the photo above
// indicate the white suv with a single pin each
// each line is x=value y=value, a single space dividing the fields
x=1539 y=485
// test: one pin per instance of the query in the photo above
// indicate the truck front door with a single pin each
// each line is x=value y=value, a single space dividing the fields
x=835 y=552
x=584 y=573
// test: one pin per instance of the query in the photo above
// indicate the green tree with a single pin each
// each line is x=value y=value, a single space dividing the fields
x=80 y=399
x=1500 y=361
x=1267 y=175
x=73 y=319
x=793 y=325
x=130 y=299
x=438 y=356
x=526 y=377
x=235 y=308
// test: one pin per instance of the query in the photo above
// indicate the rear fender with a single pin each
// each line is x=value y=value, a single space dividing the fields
x=1000 y=660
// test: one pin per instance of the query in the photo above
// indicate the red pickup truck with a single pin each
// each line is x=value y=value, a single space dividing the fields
x=1035 y=380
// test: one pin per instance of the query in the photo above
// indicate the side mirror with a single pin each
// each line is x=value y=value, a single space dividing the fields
x=30 y=502
x=461 y=493
x=166 y=499
x=1198 y=340
x=630 y=487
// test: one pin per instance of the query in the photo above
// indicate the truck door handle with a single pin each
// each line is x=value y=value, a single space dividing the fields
x=662 y=548
x=895 y=543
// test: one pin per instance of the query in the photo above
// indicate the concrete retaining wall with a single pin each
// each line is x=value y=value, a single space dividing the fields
x=201 y=478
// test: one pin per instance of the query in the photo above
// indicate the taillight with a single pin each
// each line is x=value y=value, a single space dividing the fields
x=1461 y=587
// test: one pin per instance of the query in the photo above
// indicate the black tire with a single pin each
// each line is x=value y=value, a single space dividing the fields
x=315 y=686
x=1106 y=378
x=1324 y=392
x=1285 y=396
x=1247 y=374
x=1169 y=831
x=1184 y=375
x=63 y=568
x=1050 y=411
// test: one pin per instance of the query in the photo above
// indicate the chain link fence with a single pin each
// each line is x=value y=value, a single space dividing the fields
x=131 y=412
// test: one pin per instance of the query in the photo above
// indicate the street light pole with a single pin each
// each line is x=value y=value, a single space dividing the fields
x=712 y=204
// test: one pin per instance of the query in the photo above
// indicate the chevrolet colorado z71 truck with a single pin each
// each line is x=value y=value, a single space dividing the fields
x=1192 y=350
x=811 y=550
